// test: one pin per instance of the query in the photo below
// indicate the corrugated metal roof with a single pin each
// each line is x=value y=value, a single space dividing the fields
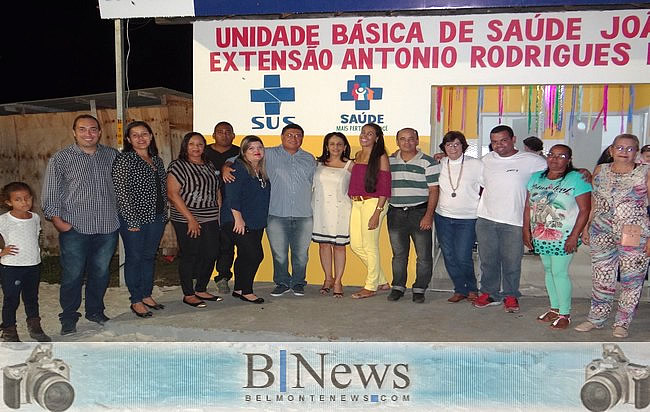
x=136 y=98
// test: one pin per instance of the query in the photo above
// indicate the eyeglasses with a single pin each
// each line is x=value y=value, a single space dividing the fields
x=628 y=149
x=453 y=145
x=551 y=155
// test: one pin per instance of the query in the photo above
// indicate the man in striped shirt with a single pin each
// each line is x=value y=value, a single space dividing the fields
x=414 y=194
x=79 y=199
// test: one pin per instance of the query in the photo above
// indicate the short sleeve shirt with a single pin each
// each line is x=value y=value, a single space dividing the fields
x=554 y=210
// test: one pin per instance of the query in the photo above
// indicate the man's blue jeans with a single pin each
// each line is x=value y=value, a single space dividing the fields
x=500 y=247
x=286 y=233
x=456 y=238
x=404 y=225
x=84 y=254
x=140 y=250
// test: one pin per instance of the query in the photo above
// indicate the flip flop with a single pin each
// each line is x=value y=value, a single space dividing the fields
x=337 y=295
x=364 y=293
x=324 y=291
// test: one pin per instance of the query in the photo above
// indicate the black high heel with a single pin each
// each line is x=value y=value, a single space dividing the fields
x=141 y=315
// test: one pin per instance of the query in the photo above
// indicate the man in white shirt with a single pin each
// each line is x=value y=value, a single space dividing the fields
x=500 y=218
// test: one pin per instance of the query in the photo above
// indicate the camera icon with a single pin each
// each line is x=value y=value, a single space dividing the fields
x=614 y=379
x=41 y=379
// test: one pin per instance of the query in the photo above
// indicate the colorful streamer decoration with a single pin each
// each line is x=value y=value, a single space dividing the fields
x=530 y=107
x=572 y=112
x=479 y=104
x=438 y=103
x=500 y=103
x=604 y=110
x=622 y=97
x=450 y=105
x=560 y=108
x=630 y=108
x=463 y=109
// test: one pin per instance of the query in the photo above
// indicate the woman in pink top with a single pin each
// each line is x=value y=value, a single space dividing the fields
x=369 y=191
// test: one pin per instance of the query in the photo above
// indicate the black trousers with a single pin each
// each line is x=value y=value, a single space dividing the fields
x=17 y=281
x=197 y=255
x=225 y=255
x=249 y=257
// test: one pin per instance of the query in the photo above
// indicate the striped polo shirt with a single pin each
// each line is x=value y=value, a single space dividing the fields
x=410 y=181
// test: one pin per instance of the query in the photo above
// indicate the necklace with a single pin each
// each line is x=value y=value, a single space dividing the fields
x=453 y=189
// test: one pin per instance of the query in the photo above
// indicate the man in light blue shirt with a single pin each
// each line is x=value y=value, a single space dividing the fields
x=291 y=171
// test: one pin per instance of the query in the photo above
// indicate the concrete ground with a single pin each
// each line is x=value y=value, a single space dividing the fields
x=323 y=318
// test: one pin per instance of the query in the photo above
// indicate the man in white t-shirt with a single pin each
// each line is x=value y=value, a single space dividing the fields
x=506 y=172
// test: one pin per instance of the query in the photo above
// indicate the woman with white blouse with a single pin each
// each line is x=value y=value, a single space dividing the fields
x=455 y=217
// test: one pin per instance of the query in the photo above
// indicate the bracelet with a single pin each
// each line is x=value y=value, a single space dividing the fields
x=380 y=208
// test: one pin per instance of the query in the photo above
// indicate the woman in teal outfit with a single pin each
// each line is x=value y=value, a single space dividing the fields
x=557 y=209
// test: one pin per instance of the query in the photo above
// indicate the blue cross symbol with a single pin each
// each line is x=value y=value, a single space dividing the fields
x=272 y=95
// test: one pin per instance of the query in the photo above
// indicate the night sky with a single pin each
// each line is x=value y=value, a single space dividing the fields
x=62 y=49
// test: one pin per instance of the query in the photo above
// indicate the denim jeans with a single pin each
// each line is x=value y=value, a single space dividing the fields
x=84 y=254
x=456 y=238
x=286 y=233
x=500 y=247
x=17 y=281
x=140 y=250
x=404 y=225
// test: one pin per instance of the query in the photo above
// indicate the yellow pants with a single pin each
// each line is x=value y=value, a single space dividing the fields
x=365 y=243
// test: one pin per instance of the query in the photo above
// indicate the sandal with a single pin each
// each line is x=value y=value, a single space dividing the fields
x=338 y=294
x=327 y=286
x=383 y=287
x=586 y=327
x=620 y=332
x=561 y=322
x=549 y=316
x=364 y=293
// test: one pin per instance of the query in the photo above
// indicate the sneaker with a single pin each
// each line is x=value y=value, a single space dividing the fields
x=299 y=290
x=68 y=327
x=484 y=300
x=418 y=297
x=280 y=290
x=511 y=304
x=98 y=318
x=395 y=295
x=222 y=286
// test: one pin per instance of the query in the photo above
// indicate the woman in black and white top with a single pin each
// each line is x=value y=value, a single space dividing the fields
x=193 y=191
x=139 y=181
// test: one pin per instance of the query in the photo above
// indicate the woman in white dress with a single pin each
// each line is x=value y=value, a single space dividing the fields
x=331 y=207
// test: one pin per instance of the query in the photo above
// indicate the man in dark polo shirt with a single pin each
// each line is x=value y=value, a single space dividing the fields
x=218 y=152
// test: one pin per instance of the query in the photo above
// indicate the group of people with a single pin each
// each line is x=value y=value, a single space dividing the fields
x=223 y=197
